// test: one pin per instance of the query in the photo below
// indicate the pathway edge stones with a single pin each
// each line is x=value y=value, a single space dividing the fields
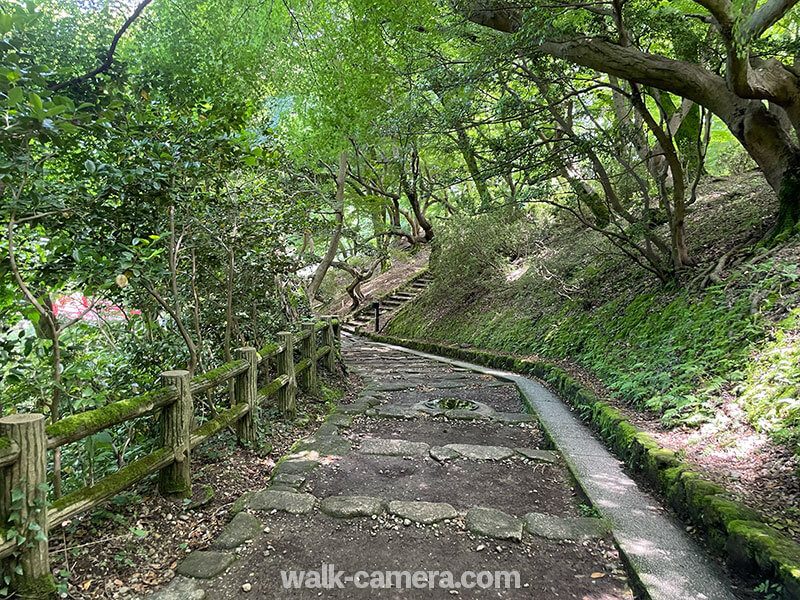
x=294 y=503
x=242 y=528
x=393 y=447
x=349 y=507
x=494 y=523
x=565 y=528
x=205 y=564
x=478 y=452
x=426 y=513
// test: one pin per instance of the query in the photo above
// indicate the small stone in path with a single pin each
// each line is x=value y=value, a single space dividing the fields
x=347 y=507
x=205 y=564
x=423 y=512
x=494 y=523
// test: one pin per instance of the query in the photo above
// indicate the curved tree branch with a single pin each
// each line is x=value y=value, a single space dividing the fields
x=106 y=64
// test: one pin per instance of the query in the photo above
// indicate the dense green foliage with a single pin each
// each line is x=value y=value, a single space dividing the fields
x=178 y=179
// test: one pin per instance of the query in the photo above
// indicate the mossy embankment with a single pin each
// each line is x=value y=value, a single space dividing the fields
x=684 y=353
x=710 y=368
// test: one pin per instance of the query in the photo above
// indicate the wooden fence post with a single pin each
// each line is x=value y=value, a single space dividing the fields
x=337 y=333
x=308 y=350
x=329 y=339
x=175 y=480
x=285 y=360
x=24 y=495
x=245 y=390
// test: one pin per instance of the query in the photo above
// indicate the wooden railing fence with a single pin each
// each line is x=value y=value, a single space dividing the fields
x=25 y=440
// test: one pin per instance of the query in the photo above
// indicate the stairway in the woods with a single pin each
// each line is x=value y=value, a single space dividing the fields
x=436 y=482
x=388 y=305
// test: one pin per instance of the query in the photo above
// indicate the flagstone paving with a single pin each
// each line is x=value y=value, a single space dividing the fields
x=391 y=484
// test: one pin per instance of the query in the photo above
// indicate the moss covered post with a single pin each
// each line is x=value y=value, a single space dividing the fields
x=285 y=360
x=329 y=340
x=308 y=350
x=175 y=480
x=23 y=505
x=245 y=390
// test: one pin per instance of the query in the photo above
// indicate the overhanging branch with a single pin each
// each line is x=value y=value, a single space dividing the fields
x=106 y=64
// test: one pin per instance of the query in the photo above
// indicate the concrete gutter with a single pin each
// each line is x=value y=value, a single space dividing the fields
x=663 y=559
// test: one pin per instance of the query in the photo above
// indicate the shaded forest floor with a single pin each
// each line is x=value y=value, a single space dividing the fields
x=711 y=368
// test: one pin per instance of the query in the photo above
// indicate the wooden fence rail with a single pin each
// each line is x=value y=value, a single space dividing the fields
x=25 y=440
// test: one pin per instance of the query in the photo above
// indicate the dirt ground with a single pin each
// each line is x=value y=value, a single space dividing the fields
x=509 y=485
x=547 y=569
x=434 y=432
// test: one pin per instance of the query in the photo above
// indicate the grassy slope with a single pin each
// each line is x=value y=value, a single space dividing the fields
x=690 y=356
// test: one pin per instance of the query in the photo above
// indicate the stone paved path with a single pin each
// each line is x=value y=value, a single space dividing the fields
x=412 y=478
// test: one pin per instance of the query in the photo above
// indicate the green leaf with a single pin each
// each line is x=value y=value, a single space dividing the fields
x=6 y=23
x=15 y=96
x=89 y=166
x=35 y=101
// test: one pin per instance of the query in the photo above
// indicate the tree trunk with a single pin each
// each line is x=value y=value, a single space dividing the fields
x=333 y=247
x=766 y=132
x=468 y=154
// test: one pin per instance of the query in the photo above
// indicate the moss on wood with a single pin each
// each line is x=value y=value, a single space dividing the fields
x=273 y=386
x=35 y=587
x=212 y=426
x=83 y=424
x=212 y=378
x=87 y=497
x=269 y=351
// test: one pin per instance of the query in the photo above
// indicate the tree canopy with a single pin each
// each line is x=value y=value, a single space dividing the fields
x=202 y=171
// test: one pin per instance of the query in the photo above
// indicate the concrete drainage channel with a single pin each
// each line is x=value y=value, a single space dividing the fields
x=435 y=467
x=665 y=562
